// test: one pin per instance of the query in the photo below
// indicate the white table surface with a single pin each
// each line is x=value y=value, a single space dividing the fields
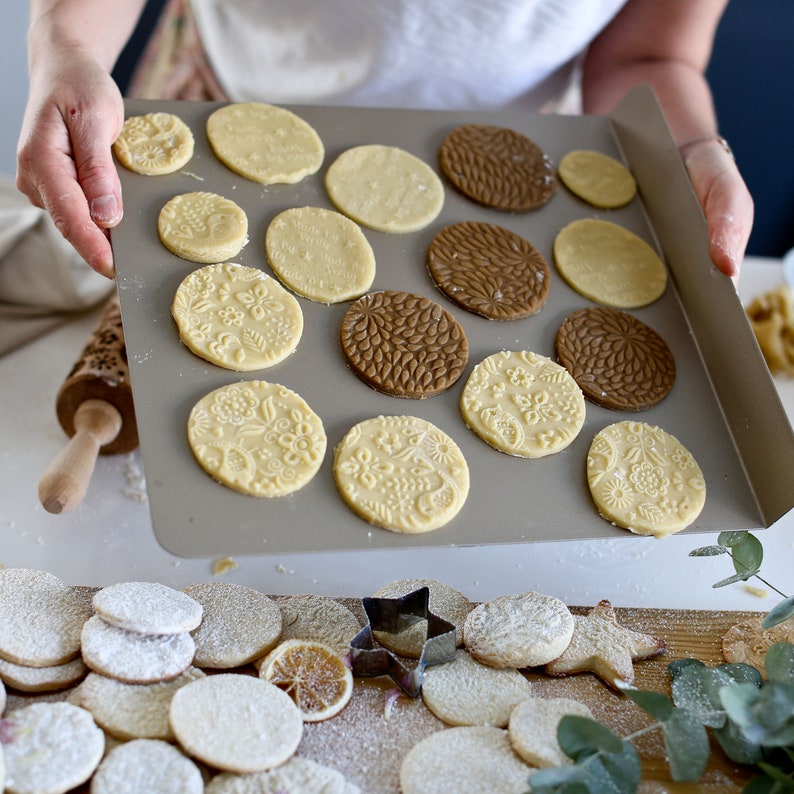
x=109 y=537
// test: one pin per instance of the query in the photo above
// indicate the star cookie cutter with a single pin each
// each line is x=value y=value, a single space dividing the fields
x=394 y=615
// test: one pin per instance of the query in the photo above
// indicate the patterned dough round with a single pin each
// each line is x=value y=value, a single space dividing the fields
x=154 y=144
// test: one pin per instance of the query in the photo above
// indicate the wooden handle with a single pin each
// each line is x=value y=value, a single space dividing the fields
x=65 y=481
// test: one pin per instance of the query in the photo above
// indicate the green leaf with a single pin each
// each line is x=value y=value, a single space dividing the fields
x=696 y=689
x=737 y=577
x=783 y=611
x=567 y=779
x=736 y=745
x=687 y=746
x=741 y=673
x=708 y=551
x=779 y=663
x=677 y=666
x=580 y=737
x=764 y=716
x=731 y=539
x=748 y=555
x=659 y=706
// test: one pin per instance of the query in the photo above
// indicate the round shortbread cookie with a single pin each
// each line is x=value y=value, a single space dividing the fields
x=521 y=630
x=147 y=608
x=444 y=601
x=154 y=144
x=617 y=360
x=41 y=679
x=609 y=264
x=497 y=167
x=597 y=178
x=748 y=641
x=240 y=624
x=319 y=619
x=402 y=344
x=149 y=765
x=50 y=748
x=385 y=188
x=432 y=473
x=265 y=143
x=466 y=692
x=203 y=227
x=258 y=438
x=237 y=317
x=466 y=760
x=489 y=270
x=523 y=404
x=532 y=729
x=135 y=658
x=320 y=254
x=643 y=479
x=41 y=618
x=133 y=711
x=236 y=723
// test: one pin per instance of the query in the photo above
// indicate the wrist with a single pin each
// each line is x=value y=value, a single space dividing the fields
x=688 y=147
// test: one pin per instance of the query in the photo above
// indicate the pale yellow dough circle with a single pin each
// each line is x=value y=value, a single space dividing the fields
x=523 y=404
x=203 y=227
x=265 y=143
x=379 y=453
x=258 y=438
x=154 y=144
x=609 y=264
x=385 y=188
x=643 y=479
x=237 y=317
x=597 y=178
x=320 y=254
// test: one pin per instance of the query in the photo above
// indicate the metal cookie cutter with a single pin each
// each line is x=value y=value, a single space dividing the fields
x=394 y=615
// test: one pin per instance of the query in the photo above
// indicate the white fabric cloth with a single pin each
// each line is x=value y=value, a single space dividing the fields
x=438 y=54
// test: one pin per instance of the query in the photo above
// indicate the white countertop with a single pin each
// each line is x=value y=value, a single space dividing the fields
x=109 y=537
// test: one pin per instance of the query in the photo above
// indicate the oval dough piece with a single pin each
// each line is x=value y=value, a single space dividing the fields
x=237 y=317
x=154 y=144
x=597 y=178
x=256 y=437
x=378 y=453
x=523 y=404
x=643 y=479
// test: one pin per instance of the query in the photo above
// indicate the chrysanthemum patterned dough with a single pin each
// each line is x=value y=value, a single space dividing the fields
x=237 y=317
x=523 y=404
x=154 y=144
x=401 y=473
x=258 y=438
x=643 y=479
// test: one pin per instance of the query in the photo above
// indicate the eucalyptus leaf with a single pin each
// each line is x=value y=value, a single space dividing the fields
x=580 y=737
x=708 y=551
x=778 y=775
x=696 y=688
x=679 y=665
x=783 y=611
x=659 y=706
x=748 y=555
x=779 y=663
x=687 y=746
x=763 y=785
x=736 y=745
x=737 y=577
x=615 y=773
x=731 y=539
x=558 y=779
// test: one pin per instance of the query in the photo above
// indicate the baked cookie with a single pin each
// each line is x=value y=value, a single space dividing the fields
x=748 y=641
x=41 y=679
x=597 y=178
x=154 y=144
x=318 y=618
x=298 y=775
x=489 y=270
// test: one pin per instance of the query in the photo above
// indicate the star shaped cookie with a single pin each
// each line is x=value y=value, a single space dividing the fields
x=602 y=646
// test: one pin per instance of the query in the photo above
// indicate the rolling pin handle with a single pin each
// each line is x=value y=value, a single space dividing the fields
x=65 y=481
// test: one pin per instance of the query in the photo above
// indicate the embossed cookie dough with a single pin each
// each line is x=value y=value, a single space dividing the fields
x=237 y=317
x=203 y=227
x=403 y=344
x=401 y=473
x=498 y=167
x=523 y=404
x=609 y=264
x=597 y=178
x=320 y=254
x=643 y=479
x=748 y=641
x=265 y=143
x=258 y=438
x=385 y=188
x=489 y=270
x=617 y=360
x=154 y=144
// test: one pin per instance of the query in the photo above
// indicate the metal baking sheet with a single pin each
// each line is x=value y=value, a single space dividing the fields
x=511 y=500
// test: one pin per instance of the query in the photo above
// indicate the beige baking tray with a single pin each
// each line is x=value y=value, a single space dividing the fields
x=724 y=406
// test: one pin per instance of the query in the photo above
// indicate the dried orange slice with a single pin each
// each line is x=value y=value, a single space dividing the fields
x=312 y=674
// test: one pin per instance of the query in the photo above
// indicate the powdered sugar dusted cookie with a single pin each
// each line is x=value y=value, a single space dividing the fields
x=320 y=619
x=522 y=630
x=154 y=144
x=748 y=641
x=41 y=679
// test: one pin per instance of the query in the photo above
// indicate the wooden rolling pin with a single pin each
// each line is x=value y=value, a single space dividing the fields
x=94 y=407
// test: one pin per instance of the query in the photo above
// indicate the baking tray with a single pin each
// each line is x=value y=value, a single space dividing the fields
x=731 y=421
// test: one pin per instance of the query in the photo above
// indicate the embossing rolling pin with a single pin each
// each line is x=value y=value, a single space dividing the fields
x=94 y=407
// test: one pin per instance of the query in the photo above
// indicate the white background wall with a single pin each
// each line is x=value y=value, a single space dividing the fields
x=13 y=67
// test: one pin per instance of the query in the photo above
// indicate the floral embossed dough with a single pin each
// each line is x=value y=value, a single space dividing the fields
x=154 y=144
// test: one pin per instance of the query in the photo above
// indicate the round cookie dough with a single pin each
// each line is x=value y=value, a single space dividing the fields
x=385 y=188
x=402 y=344
x=257 y=438
x=237 y=317
x=609 y=264
x=154 y=144
x=264 y=143
x=497 y=167
x=597 y=178
x=523 y=404
x=617 y=360
x=320 y=254
x=643 y=479
x=489 y=270
x=202 y=227
x=378 y=454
